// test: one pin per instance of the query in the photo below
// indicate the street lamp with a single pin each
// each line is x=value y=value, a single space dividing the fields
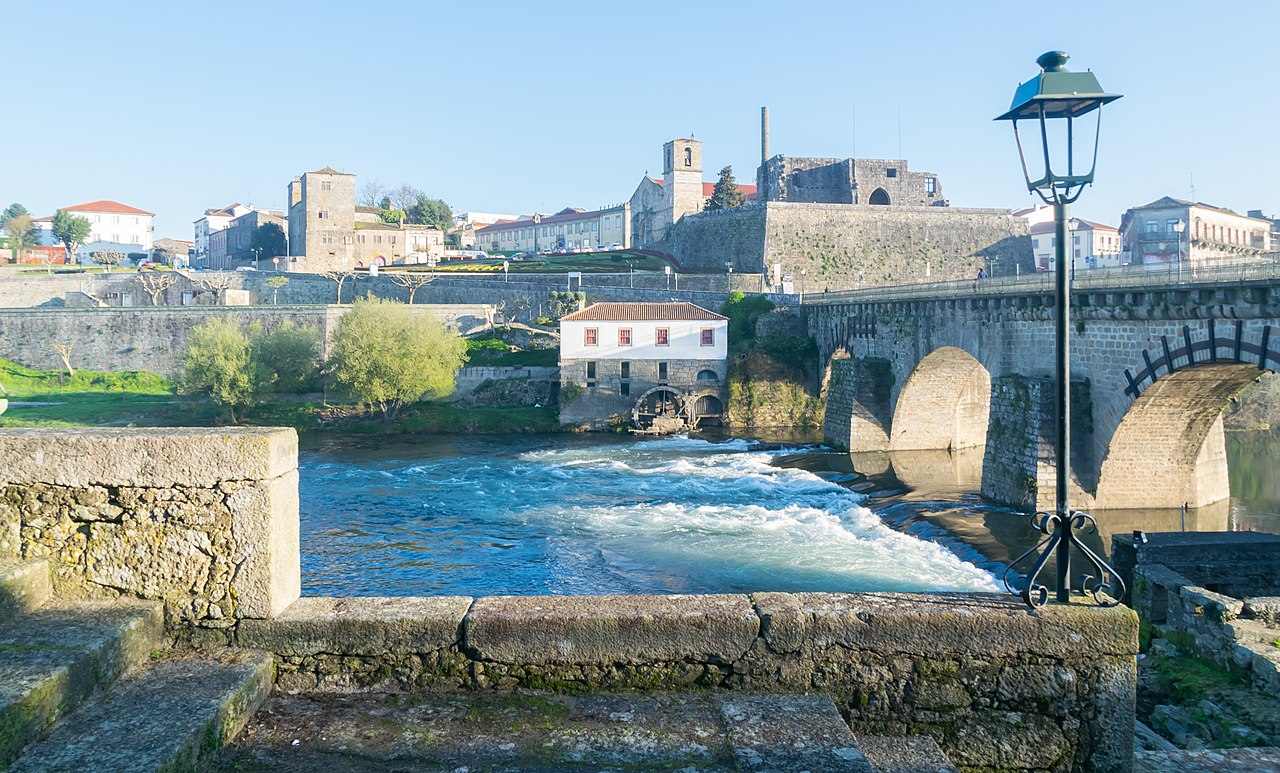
x=728 y=264
x=505 y=265
x=1178 y=227
x=257 y=251
x=1052 y=102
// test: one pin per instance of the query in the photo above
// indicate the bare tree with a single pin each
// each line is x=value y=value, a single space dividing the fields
x=411 y=281
x=107 y=258
x=405 y=197
x=64 y=351
x=520 y=305
x=372 y=193
x=216 y=282
x=154 y=283
x=275 y=283
x=340 y=278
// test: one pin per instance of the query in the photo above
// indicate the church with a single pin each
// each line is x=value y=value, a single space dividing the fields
x=658 y=204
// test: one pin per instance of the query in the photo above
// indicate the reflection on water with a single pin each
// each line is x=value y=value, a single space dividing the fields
x=934 y=495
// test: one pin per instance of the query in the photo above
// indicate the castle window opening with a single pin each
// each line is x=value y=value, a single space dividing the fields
x=879 y=197
x=930 y=185
x=891 y=172
x=688 y=156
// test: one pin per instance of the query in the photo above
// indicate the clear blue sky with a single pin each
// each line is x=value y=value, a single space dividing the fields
x=510 y=107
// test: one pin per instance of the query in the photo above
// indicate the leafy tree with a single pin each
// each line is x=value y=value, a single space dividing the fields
x=383 y=203
x=275 y=283
x=392 y=215
x=22 y=234
x=107 y=258
x=218 y=365
x=71 y=230
x=386 y=355
x=268 y=240
x=286 y=360
x=429 y=211
x=10 y=212
x=727 y=194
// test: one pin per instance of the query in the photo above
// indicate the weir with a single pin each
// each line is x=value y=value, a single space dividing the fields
x=204 y=523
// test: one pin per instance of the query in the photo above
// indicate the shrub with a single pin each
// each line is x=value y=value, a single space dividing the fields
x=743 y=311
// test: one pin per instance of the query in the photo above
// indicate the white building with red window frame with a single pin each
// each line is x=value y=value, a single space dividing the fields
x=629 y=361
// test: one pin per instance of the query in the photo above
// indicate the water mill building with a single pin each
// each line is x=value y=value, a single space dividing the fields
x=633 y=362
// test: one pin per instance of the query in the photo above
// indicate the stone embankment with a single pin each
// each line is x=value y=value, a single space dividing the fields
x=204 y=525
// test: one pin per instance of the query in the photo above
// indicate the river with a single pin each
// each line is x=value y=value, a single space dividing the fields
x=609 y=514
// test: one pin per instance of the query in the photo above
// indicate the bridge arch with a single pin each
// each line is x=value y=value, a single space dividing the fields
x=945 y=403
x=1169 y=450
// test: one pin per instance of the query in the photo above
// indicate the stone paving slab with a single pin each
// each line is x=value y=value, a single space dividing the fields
x=1260 y=760
x=785 y=733
x=24 y=585
x=526 y=731
x=913 y=754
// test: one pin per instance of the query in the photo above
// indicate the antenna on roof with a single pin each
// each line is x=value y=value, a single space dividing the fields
x=1193 y=187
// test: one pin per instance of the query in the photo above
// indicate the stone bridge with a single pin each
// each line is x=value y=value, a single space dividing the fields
x=1155 y=359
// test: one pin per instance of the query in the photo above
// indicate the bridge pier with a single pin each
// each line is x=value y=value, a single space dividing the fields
x=1019 y=466
x=858 y=414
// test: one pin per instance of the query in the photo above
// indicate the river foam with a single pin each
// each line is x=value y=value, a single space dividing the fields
x=596 y=515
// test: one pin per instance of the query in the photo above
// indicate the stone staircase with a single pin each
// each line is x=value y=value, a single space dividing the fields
x=84 y=686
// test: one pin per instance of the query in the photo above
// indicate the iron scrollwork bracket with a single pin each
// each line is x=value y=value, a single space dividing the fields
x=1100 y=587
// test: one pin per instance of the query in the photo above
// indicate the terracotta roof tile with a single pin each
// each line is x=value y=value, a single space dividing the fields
x=106 y=205
x=640 y=312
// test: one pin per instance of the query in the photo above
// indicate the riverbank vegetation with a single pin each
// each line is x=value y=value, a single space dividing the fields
x=386 y=375
x=772 y=380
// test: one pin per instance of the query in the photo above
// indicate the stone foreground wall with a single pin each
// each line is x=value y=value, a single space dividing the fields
x=998 y=686
x=205 y=520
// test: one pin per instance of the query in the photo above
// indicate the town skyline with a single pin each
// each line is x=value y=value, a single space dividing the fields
x=587 y=123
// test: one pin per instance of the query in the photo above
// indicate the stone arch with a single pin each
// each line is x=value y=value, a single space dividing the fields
x=706 y=408
x=658 y=401
x=945 y=403
x=708 y=376
x=1169 y=449
x=879 y=197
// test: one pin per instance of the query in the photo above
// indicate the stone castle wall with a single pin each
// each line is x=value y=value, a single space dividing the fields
x=27 y=291
x=844 y=246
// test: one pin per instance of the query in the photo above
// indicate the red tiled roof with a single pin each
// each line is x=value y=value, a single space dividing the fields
x=708 y=189
x=641 y=312
x=106 y=205
x=1050 y=227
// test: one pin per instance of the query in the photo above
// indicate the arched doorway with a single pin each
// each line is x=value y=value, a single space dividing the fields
x=879 y=197
x=708 y=410
x=945 y=403
x=1169 y=450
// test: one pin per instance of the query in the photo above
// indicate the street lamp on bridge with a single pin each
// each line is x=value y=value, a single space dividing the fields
x=1052 y=102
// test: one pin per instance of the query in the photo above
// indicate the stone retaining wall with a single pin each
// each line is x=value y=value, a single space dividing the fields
x=998 y=686
x=205 y=520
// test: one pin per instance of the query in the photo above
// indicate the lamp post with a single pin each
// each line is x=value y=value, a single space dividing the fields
x=728 y=264
x=1178 y=227
x=506 y=264
x=1073 y=227
x=1054 y=101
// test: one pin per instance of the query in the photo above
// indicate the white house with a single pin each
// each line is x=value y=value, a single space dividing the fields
x=633 y=361
x=114 y=226
x=1091 y=245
